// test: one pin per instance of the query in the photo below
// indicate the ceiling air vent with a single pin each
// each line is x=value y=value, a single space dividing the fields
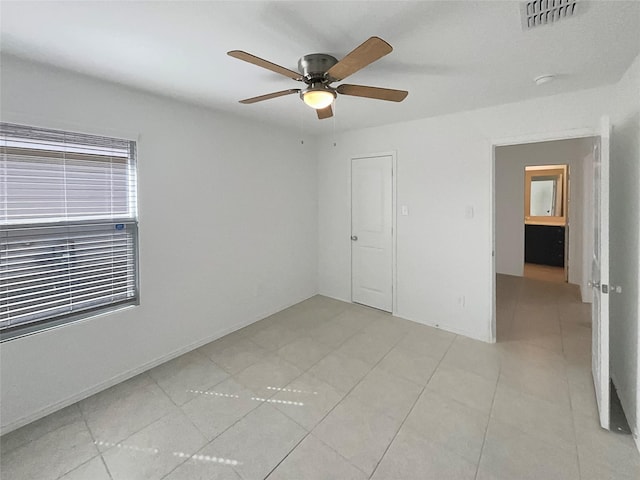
x=545 y=12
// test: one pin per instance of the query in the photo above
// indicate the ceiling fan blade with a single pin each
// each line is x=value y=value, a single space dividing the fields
x=270 y=95
x=373 y=92
x=247 y=57
x=325 y=113
x=368 y=52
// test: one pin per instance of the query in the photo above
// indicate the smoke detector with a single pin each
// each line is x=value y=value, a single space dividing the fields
x=536 y=13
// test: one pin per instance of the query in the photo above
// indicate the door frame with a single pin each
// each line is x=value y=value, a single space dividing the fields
x=394 y=227
x=518 y=140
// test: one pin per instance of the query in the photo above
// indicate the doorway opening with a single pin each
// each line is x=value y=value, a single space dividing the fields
x=543 y=211
x=546 y=226
x=586 y=152
x=543 y=235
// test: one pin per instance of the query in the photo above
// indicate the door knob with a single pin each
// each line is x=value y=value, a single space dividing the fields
x=594 y=284
x=354 y=238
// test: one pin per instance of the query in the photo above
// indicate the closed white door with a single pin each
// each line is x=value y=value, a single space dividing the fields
x=600 y=274
x=371 y=231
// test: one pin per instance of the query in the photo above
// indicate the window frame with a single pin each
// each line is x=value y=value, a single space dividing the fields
x=12 y=332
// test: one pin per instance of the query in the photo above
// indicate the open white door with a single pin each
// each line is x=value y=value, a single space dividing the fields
x=371 y=231
x=600 y=273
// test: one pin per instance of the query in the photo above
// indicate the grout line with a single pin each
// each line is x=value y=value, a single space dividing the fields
x=306 y=372
x=336 y=405
x=337 y=453
x=257 y=404
x=571 y=399
x=274 y=351
x=286 y=456
x=179 y=407
x=207 y=441
x=575 y=434
x=147 y=425
x=330 y=352
x=250 y=411
x=106 y=467
x=81 y=465
x=556 y=305
x=84 y=419
x=6 y=451
x=484 y=438
x=412 y=406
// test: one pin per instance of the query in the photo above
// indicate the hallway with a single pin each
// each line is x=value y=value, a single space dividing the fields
x=544 y=272
x=545 y=331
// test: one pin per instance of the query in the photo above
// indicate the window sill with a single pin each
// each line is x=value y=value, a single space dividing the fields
x=21 y=331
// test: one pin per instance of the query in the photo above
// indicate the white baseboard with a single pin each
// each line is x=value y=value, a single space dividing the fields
x=335 y=298
x=4 y=429
x=448 y=328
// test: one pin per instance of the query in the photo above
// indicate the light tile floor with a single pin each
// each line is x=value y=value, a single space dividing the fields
x=329 y=390
x=544 y=272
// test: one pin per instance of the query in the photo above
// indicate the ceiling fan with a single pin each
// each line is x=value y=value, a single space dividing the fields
x=318 y=71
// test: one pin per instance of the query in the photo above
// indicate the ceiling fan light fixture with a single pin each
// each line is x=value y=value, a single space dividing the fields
x=318 y=98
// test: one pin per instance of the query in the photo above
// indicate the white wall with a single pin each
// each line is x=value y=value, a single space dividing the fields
x=624 y=245
x=444 y=166
x=228 y=234
x=509 y=187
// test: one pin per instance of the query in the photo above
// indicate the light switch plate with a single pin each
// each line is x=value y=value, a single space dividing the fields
x=404 y=210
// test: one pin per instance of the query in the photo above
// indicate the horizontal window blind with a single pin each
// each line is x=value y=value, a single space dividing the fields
x=55 y=176
x=51 y=271
x=69 y=229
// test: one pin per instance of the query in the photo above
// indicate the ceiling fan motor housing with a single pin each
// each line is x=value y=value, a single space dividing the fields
x=315 y=66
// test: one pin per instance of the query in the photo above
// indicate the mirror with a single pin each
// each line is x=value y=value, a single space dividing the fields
x=545 y=200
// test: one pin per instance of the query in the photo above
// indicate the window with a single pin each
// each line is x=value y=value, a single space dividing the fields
x=68 y=227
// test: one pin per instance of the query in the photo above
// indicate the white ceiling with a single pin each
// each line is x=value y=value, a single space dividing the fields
x=450 y=56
